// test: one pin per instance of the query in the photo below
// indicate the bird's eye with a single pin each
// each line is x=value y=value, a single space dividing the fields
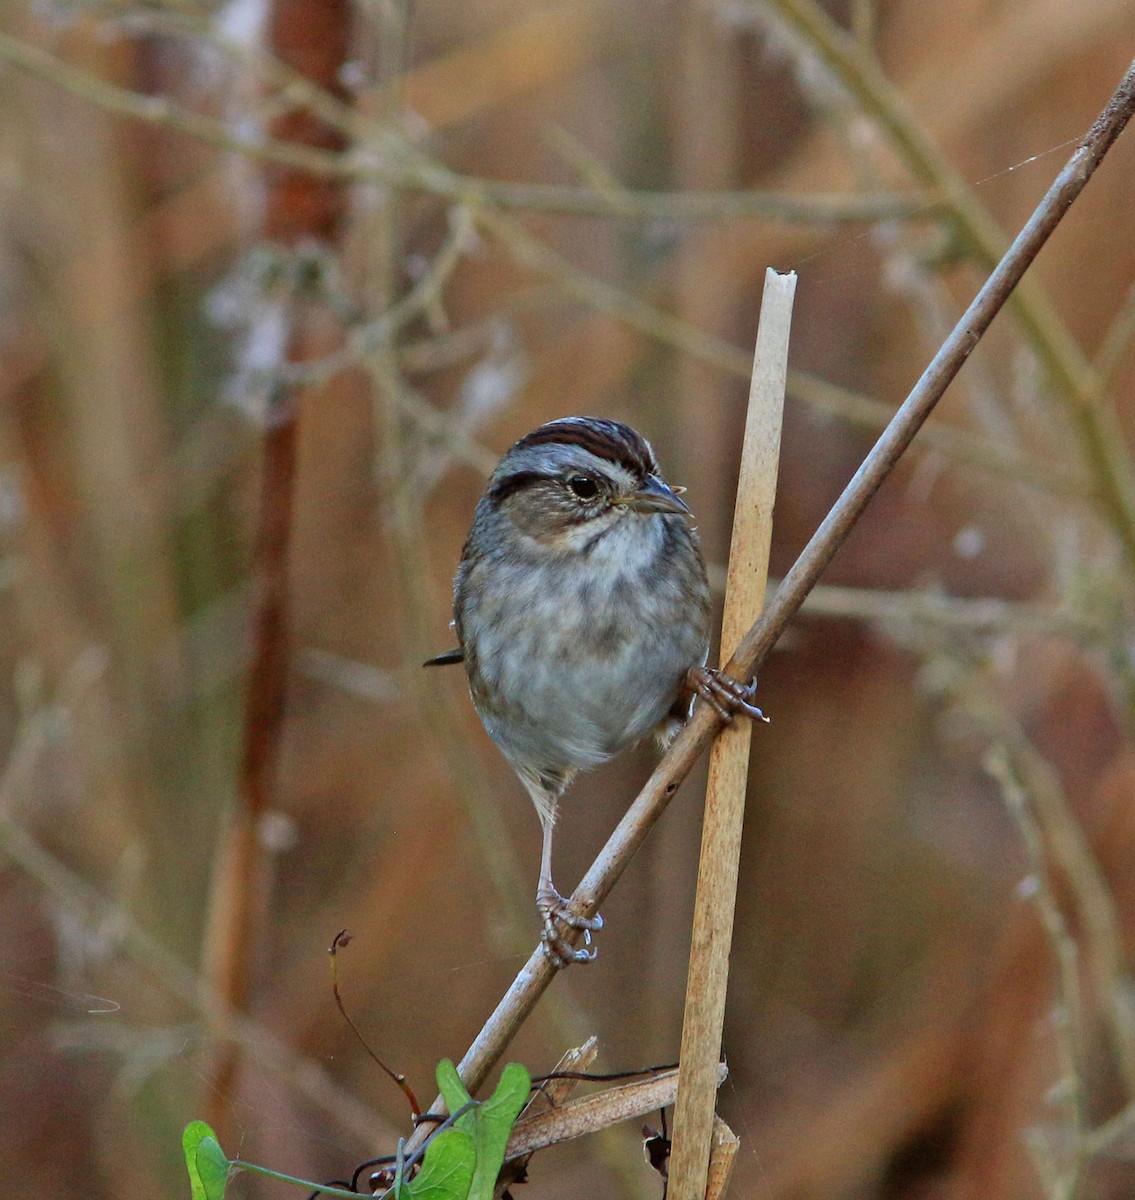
x=583 y=487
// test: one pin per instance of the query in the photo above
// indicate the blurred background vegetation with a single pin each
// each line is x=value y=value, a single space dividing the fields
x=279 y=280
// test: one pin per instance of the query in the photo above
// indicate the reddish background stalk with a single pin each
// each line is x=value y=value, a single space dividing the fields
x=314 y=39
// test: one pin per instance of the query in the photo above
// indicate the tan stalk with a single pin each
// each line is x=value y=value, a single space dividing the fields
x=729 y=758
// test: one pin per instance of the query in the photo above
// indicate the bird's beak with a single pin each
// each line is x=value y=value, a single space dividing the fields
x=655 y=497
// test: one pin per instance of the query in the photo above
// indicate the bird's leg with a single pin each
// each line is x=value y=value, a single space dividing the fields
x=725 y=694
x=554 y=909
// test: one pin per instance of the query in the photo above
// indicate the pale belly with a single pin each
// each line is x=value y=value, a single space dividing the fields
x=577 y=681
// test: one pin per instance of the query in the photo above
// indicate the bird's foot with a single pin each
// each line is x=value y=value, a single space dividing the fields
x=555 y=912
x=726 y=695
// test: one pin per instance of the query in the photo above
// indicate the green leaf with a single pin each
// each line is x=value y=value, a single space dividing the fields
x=449 y=1084
x=498 y=1114
x=205 y=1161
x=488 y=1122
x=447 y=1169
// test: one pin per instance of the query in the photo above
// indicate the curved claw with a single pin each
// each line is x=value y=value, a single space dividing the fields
x=727 y=696
x=553 y=907
x=561 y=952
x=555 y=913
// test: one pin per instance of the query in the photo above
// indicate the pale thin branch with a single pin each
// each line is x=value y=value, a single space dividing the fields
x=699 y=206
x=157 y=110
x=422 y=298
x=984 y=615
x=1067 y=849
x=1102 y=931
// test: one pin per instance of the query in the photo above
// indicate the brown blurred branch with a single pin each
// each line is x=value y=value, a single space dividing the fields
x=1060 y=1183
x=315 y=40
x=387 y=158
x=632 y=830
x=75 y=895
x=1101 y=437
x=394 y=163
x=852 y=406
x=1027 y=779
x=240 y=874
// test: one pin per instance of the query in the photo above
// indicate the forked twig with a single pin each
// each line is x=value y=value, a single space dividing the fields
x=538 y=971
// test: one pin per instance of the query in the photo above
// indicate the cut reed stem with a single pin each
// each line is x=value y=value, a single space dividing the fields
x=729 y=758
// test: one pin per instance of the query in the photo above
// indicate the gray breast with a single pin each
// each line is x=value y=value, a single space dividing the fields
x=580 y=664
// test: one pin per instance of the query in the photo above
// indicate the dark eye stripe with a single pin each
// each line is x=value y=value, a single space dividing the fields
x=504 y=487
x=605 y=439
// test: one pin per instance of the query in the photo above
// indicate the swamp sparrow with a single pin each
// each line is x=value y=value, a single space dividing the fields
x=582 y=609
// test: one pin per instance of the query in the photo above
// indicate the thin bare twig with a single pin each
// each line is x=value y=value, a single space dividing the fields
x=699 y=206
x=298 y=207
x=1067 y=852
